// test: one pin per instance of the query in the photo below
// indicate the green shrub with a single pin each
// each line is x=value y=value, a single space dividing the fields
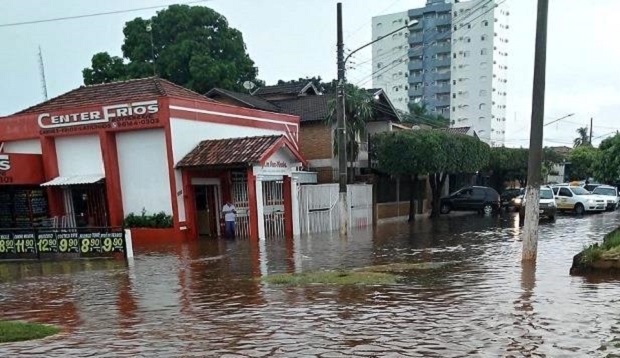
x=608 y=248
x=160 y=220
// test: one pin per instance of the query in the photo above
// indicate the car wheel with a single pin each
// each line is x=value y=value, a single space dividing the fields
x=487 y=209
x=445 y=209
x=579 y=209
x=552 y=218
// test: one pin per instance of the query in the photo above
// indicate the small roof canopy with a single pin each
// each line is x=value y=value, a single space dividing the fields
x=75 y=180
x=237 y=152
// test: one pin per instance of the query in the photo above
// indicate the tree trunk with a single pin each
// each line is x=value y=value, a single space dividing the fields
x=412 y=196
x=438 y=180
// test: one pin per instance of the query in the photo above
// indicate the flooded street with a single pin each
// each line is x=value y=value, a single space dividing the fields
x=206 y=298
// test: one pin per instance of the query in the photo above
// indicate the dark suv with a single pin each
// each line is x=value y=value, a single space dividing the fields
x=474 y=198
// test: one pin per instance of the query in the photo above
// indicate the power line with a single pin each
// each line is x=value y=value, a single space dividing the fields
x=98 y=14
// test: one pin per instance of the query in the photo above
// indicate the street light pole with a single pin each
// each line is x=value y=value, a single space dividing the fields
x=532 y=197
x=341 y=129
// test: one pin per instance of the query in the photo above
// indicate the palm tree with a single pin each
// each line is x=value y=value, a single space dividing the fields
x=583 y=139
x=358 y=110
x=419 y=114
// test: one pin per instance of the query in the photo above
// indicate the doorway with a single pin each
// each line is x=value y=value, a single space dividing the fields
x=208 y=203
x=85 y=206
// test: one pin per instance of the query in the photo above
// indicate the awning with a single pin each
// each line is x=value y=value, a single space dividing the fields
x=75 y=180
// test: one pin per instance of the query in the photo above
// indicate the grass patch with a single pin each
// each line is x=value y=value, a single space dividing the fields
x=608 y=250
x=332 y=278
x=11 y=331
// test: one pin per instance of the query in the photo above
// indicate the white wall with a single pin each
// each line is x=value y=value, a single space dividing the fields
x=79 y=155
x=28 y=146
x=143 y=166
x=187 y=134
x=385 y=52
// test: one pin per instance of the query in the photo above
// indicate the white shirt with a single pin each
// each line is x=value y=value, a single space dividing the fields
x=229 y=215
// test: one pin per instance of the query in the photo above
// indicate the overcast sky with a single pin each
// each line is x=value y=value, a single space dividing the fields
x=289 y=39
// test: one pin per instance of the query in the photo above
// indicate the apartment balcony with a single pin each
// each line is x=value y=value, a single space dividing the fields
x=416 y=39
x=415 y=65
x=413 y=92
x=418 y=78
x=441 y=62
x=437 y=76
x=416 y=51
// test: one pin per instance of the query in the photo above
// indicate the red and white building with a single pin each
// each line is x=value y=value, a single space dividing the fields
x=97 y=153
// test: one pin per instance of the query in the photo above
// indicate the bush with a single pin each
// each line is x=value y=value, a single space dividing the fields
x=160 y=220
x=609 y=249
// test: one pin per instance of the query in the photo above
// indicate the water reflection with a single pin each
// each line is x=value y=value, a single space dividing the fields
x=206 y=298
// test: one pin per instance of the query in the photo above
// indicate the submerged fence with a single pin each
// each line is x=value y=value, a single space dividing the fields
x=319 y=209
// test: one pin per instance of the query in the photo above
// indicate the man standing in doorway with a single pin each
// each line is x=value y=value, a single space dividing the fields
x=230 y=214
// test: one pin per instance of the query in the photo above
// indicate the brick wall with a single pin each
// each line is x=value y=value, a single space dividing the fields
x=315 y=140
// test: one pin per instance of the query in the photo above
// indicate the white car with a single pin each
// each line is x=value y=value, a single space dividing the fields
x=610 y=194
x=577 y=199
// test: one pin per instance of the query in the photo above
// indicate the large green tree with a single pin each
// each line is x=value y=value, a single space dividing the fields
x=607 y=165
x=510 y=164
x=433 y=152
x=582 y=162
x=191 y=46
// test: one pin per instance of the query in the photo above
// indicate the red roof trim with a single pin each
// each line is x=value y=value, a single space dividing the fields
x=283 y=142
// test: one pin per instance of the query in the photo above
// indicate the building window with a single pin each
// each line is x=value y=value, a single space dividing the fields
x=482 y=106
x=483 y=37
x=379 y=25
x=380 y=64
x=485 y=23
x=484 y=51
x=467 y=39
x=454 y=95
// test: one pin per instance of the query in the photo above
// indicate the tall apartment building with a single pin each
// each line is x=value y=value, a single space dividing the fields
x=456 y=62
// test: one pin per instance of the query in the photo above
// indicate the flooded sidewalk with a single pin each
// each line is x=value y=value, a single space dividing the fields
x=207 y=299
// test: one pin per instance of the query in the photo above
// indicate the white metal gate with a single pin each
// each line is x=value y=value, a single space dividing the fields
x=360 y=208
x=273 y=208
x=319 y=209
x=241 y=202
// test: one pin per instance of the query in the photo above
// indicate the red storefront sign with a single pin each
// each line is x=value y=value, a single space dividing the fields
x=21 y=169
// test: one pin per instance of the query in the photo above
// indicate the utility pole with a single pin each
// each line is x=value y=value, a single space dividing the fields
x=532 y=197
x=341 y=129
x=591 y=124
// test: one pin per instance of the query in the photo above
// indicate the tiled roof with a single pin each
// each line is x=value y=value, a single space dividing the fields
x=308 y=108
x=131 y=90
x=252 y=101
x=459 y=130
x=233 y=152
x=284 y=88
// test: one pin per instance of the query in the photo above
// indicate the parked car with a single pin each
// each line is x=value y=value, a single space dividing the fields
x=577 y=199
x=508 y=196
x=591 y=187
x=546 y=206
x=474 y=198
x=610 y=193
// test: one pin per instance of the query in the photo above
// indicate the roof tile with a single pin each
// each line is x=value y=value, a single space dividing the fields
x=232 y=152
x=252 y=101
x=131 y=90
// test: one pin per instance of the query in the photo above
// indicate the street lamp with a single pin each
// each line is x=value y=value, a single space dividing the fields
x=341 y=129
x=409 y=26
x=559 y=119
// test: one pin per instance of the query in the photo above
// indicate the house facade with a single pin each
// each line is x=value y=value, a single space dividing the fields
x=316 y=132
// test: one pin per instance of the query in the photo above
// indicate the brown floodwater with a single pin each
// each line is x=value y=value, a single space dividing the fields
x=206 y=299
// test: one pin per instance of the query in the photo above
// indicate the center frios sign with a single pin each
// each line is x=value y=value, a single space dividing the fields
x=113 y=116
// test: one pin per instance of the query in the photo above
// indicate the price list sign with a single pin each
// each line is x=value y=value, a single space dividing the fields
x=18 y=246
x=52 y=244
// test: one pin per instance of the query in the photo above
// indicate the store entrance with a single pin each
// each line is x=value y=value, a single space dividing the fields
x=22 y=206
x=85 y=206
x=208 y=206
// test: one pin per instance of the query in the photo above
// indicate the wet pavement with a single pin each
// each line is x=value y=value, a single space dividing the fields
x=206 y=298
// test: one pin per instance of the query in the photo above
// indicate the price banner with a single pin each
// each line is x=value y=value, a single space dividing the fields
x=51 y=244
